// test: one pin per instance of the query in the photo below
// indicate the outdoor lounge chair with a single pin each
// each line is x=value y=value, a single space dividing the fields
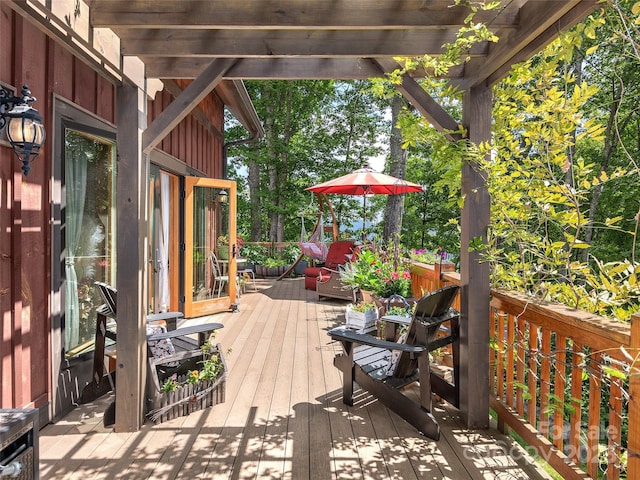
x=383 y=367
x=326 y=279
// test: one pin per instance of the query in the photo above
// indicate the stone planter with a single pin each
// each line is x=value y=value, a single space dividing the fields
x=361 y=321
x=188 y=397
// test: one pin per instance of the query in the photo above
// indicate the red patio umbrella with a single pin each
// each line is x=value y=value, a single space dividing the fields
x=366 y=181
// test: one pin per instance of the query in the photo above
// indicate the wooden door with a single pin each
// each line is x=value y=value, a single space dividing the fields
x=210 y=246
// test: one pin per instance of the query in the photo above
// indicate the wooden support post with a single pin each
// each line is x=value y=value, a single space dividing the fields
x=474 y=275
x=633 y=445
x=132 y=188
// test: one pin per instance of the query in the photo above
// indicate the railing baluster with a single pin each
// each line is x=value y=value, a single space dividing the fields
x=532 y=403
x=575 y=418
x=500 y=360
x=545 y=382
x=493 y=368
x=595 y=396
x=633 y=441
x=614 y=431
x=520 y=339
x=558 y=390
x=510 y=368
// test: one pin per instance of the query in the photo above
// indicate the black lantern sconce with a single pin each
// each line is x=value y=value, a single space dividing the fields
x=25 y=131
x=223 y=196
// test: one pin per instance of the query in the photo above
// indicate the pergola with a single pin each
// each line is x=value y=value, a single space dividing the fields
x=210 y=41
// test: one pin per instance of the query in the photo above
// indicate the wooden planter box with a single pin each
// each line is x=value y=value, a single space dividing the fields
x=362 y=321
x=188 y=397
x=264 y=271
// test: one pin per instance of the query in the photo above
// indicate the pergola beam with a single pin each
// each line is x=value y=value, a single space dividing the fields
x=287 y=43
x=422 y=101
x=275 y=68
x=289 y=14
x=184 y=103
x=574 y=16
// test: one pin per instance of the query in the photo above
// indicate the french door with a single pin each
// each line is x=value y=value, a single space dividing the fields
x=210 y=246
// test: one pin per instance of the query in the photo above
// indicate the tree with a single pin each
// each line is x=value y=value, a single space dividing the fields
x=314 y=131
x=541 y=183
x=397 y=168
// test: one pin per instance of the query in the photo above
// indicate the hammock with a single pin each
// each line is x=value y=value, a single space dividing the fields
x=314 y=247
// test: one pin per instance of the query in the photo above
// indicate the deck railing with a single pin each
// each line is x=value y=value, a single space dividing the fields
x=567 y=382
x=274 y=248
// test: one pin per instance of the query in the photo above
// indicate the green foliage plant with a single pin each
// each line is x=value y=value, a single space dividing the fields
x=254 y=253
x=274 y=262
x=396 y=310
x=540 y=193
x=424 y=256
x=379 y=269
x=212 y=367
x=290 y=253
x=540 y=189
x=363 y=307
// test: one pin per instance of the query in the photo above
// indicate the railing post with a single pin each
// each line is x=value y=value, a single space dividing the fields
x=633 y=446
x=441 y=267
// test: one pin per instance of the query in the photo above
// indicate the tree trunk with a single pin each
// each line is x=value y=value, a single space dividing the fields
x=253 y=178
x=271 y=139
x=610 y=144
x=397 y=168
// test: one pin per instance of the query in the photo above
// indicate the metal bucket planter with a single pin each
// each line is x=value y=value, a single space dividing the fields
x=188 y=397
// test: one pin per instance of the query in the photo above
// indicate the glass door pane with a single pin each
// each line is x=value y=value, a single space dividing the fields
x=210 y=270
x=88 y=232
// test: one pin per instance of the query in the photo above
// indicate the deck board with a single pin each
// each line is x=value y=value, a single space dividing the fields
x=283 y=416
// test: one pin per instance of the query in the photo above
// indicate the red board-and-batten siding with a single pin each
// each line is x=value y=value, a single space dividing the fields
x=28 y=56
x=191 y=141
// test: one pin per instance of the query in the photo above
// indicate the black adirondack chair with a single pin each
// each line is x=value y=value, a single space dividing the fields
x=371 y=363
x=179 y=338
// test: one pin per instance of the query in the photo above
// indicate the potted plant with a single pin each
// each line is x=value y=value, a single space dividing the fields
x=273 y=266
x=363 y=272
x=361 y=316
x=197 y=383
x=223 y=247
x=381 y=271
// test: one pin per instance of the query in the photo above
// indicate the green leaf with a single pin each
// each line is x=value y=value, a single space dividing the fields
x=612 y=372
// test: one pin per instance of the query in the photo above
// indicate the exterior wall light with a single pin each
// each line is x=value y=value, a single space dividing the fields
x=25 y=131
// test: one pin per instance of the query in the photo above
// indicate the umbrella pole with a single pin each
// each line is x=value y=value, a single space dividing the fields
x=364 y=219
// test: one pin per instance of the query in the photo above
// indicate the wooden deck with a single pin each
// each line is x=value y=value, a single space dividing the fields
x=283 y=416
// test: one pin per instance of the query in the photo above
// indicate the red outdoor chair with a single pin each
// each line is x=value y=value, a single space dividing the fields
x=336 y=256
